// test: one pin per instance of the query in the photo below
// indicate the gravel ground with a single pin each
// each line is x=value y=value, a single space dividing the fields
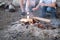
x=17 y=31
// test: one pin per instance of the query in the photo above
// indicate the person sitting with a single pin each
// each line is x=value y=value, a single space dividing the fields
x=47 y=6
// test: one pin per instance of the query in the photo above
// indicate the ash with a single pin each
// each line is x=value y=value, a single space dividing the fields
x=19 y=31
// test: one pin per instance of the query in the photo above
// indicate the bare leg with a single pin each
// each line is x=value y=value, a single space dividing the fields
x=27 y=5
x=22 y=5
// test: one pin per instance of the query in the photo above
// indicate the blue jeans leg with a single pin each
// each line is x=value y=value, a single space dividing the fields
x=43 y=11
x=52 y=11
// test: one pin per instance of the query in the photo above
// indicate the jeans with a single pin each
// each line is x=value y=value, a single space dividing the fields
x=45 y=9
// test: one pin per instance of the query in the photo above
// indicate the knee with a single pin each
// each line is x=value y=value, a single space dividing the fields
x=49 y=9
x=43 y=8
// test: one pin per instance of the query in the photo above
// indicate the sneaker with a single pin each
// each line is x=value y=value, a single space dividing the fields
x=23 y=13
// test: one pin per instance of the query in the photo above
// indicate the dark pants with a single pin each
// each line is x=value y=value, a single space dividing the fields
x=45 y=9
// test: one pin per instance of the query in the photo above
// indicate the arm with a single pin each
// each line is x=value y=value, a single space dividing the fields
x=37 y=5
x=53 y=4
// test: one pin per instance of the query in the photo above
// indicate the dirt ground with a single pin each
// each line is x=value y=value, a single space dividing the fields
x=6 y=18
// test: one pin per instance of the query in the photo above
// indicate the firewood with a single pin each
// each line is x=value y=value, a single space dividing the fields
x=42 y=19
x=26 y=20
x=41 y=26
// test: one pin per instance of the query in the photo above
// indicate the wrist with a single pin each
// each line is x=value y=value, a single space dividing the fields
x=37 y=7
x=45 y=4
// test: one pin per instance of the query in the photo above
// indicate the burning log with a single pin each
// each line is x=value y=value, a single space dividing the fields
x=25 y=20
x=34 y=20
x=41 y=26
x=42 y=19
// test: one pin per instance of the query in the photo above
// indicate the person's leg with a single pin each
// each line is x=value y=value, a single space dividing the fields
x=43 y=11
x=29 y=6
x=52 y=11
x=22 y=6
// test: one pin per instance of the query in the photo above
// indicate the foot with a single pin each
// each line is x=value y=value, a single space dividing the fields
x=23 y=13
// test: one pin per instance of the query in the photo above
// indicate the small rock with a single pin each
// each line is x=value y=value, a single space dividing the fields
x=6 y=5
x=16 y=2
x=58 y=4
x=2 y=4
x=11 y=8
x=55 y=23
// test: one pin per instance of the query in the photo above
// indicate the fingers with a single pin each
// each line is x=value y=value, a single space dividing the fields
x=34 y=9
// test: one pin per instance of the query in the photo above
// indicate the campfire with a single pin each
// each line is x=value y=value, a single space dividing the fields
x=34 y=20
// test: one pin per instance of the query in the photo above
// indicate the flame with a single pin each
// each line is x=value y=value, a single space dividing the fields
x=27 y=15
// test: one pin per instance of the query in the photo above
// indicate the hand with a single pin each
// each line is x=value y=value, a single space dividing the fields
x=34 y=9
x=42 y=4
